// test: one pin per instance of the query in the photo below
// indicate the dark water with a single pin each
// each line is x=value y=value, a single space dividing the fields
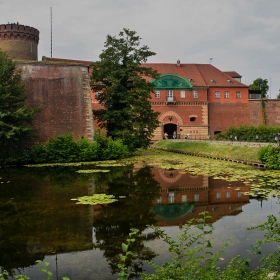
x=40 y=222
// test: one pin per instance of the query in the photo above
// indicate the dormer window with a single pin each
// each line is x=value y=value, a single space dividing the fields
x=212 y=81
x=229 y=81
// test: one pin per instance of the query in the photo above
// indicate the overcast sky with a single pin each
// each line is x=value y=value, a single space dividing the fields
x=240 y=35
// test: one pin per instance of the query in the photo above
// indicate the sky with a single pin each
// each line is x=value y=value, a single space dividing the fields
x=239 y=35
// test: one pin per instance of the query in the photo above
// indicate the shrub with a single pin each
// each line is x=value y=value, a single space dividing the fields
x=270 y=156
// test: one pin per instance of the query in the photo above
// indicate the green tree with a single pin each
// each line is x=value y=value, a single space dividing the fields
x=120 y=82
x=15 y=116
x=260 y=84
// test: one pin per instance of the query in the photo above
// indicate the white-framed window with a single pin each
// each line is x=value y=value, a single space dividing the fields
x=194 y=94
x=183 y=94
x=238 y=94
x=218 y=195
x=170 y=95
x=96 y=94
x=159 y=200
x=184 y=198
x=217 y=94
x=196 y=198
x=171 y=197
x=227 y=195
x=157 y=94
x=239 y=194
x=226 y=95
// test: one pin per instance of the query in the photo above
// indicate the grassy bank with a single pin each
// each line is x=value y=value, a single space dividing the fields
x=247 y=153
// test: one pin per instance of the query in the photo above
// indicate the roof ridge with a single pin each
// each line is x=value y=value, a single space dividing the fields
x=201 y=75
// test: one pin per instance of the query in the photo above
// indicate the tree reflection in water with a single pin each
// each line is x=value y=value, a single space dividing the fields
x=114 y=222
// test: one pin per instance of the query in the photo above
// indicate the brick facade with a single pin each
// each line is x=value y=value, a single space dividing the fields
x=20 y=41
x=62 y=91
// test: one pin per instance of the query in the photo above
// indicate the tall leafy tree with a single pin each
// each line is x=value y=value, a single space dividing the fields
x=15 y=116
x=120 y=82
x=260 y=84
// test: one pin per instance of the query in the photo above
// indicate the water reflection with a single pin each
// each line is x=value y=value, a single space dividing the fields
x=38 y=220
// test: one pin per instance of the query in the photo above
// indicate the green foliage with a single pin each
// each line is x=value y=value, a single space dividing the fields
x=270 y=156
x=193 y=258
x=123 y=257
x=261 y=84
x=251 y=133
x=65 y=149
x=120 y=82
x=5 y=274
x=15 y=116
x=256 y=85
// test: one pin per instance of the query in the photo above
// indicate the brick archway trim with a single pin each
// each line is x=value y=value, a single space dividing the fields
x=170 y=114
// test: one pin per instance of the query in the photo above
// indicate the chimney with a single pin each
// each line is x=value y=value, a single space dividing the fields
x=178 y=63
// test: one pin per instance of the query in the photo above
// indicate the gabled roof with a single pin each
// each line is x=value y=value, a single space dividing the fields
x=198 y=74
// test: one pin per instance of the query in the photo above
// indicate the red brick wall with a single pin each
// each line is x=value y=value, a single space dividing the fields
x=272 y=109
x=255 y=112
x=63 y=94
x=224 y=115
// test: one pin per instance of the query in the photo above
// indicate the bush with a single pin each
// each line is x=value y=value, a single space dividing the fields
x=64 y=149
x=270 y=156
x=193 y=257
x=251 y=133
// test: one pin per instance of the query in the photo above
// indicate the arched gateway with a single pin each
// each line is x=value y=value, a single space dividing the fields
x=183 y=108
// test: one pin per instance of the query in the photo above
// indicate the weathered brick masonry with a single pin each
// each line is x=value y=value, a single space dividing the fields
x=62 y=92
x=224 y=115
x=272 y=112
x=20 y=41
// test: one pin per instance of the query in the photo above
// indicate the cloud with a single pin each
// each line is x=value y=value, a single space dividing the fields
x=239 y=35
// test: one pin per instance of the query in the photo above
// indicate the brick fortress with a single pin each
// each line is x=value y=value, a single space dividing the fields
x=194 y=100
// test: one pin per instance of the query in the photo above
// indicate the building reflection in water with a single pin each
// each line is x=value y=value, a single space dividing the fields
x=184 y=196
x=39 y=218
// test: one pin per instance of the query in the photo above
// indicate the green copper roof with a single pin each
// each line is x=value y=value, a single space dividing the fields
x=172 y=81
x=172 y=211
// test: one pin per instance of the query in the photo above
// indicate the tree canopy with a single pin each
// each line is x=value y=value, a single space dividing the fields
x=15 y=116
x=120 y=82
x=260 y=84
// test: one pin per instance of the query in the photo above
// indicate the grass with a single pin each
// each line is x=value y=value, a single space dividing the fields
x=247 y=153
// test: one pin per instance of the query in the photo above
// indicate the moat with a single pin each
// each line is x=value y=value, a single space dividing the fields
x=39 y=221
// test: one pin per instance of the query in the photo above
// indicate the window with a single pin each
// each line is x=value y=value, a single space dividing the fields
x=192 y=119
x=170 y=95
x=218 y=195
x=157 y=94
x=184 y=198
x=239 y=194
x=171 y=197
x=182 y=93
x=238 y=94
x=217 y=94
x=194 y=94
x=196 y=198
x=226 y=95
x=159 y=200
x=227 y=195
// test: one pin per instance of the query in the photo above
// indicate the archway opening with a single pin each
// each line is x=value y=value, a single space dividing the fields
x=169 y=129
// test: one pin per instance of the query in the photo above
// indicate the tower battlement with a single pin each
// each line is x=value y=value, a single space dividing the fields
x=20 y=41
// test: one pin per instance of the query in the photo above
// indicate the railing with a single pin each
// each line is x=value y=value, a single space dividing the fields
x=170 y=99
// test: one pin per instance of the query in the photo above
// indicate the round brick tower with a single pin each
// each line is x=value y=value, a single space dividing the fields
x=20 y=41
